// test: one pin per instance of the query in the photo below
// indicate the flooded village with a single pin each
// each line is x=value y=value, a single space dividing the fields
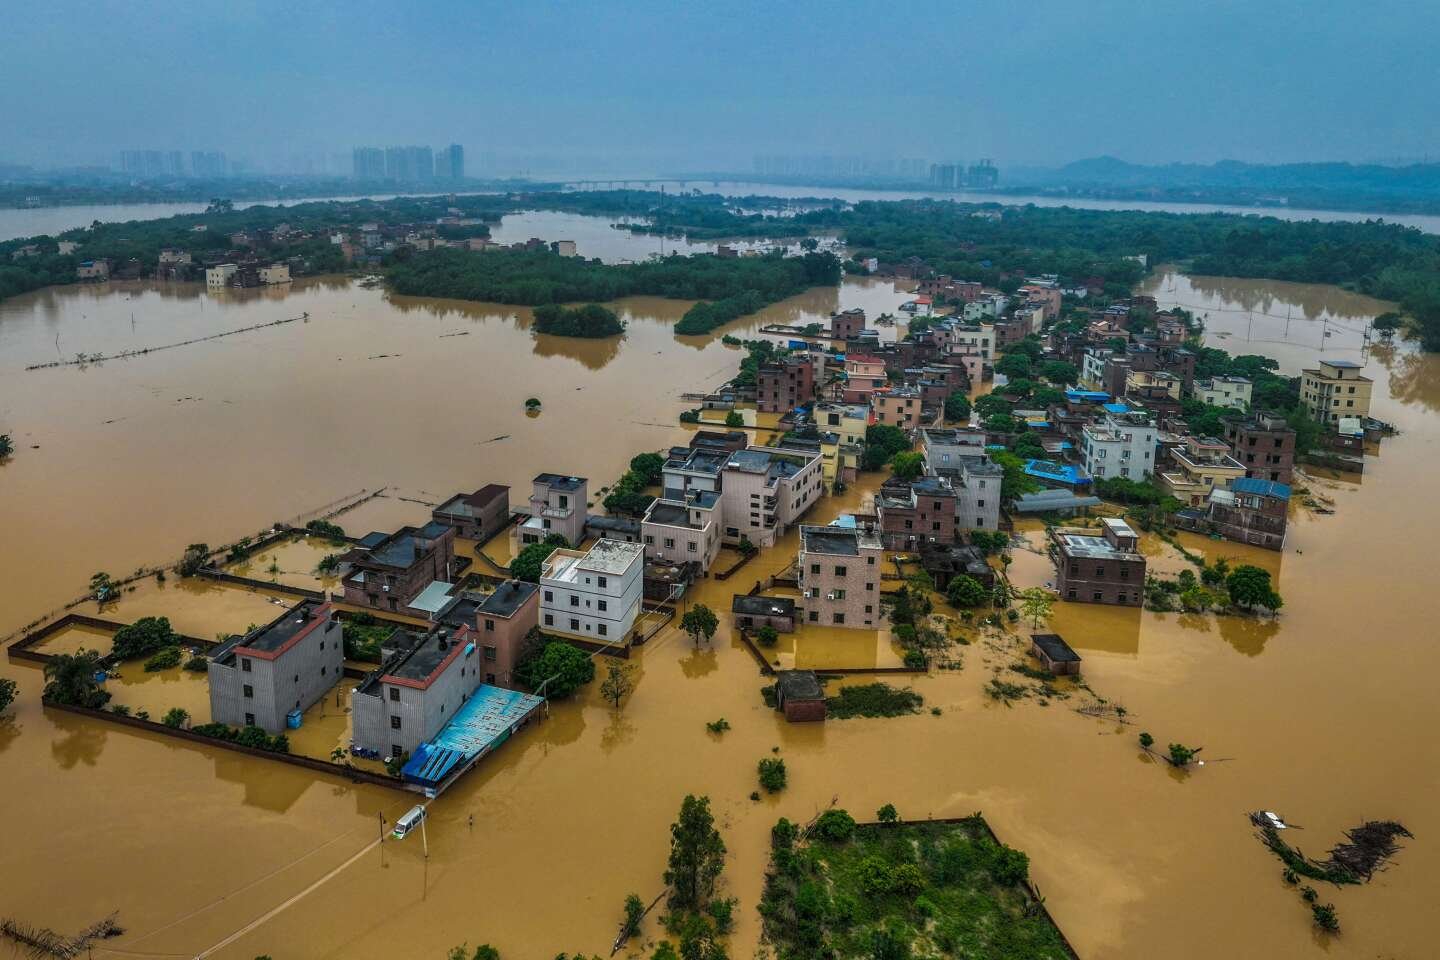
x=997 y=502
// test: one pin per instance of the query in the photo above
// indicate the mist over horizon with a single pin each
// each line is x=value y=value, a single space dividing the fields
x=654 y=88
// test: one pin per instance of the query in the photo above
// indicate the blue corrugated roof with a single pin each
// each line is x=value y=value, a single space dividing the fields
x=484 y=722
x=1096 y=395
x=1050 y=470
x=1117 y=408
x=1264 y=488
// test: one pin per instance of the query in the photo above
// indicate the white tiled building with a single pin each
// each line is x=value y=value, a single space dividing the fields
x=595 y=594
x=1122 y=446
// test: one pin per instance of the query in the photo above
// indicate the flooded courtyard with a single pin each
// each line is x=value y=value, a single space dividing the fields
x=1322 y=713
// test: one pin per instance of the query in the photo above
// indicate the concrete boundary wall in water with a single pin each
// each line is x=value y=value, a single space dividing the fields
x=21 y=649
x=210 y=573
x=307 y=763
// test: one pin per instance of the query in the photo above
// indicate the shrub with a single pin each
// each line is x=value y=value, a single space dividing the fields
x=767 y=636
x=1146 y=740
x=835 y=825
x=718 y=726
x=175 y=717
x=198 y=663
x=915 y=660
x=782 y=835
x=143 y=637
x=164 y=660
x=325 y=528
x=772 y=774
x=1009 y=866
x=887 y=814
x=965 y=591
x=873 y=700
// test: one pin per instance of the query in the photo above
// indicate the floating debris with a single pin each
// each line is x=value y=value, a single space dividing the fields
x=1369 y=848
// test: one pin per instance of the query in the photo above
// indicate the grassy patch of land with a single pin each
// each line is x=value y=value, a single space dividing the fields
x=873 y=700
x=901 y=890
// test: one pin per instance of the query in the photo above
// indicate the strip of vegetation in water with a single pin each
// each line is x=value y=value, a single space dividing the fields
x=901 y=889
x=591 y=321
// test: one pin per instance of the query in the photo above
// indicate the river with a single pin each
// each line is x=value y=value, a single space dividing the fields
x=1322 y=714
x=26 y=222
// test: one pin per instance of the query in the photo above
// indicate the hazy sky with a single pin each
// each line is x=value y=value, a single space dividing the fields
x=706 y=85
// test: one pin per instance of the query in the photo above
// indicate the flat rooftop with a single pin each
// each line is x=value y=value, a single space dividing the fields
x=839 y=541
x=1088 y=547
x=773 y=464
x=1055 y=648
x=399 y=548
x=758 y=606
x=671 y=513
x=557 y=482
x=427 y=655
x=468 y=504
x=508 y=597
x=283 y=629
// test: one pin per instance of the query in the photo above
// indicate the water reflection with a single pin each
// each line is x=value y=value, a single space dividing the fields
x=10 y=729
x=1414 y=376
x=1248 y=635
x=701 y=662
x=590 y=354
x=270 y=787
x=83 y=740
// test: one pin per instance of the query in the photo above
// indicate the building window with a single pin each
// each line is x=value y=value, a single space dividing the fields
x=549 y=620
x=574 y=600
x=245 y=664
x=490 y=625
x=649 y=540
x=601 y=582
x=601 y=629
x=839 y=571
x=1070 y=595
x=395 y=694
x=814 y=616
x=1098 y=596
x=394 y=723
x=870 y=560
x=867 y=608
x=574 y=624
x=600 y=605
x=838 y=618
x=814 y=568
x=549 y=596
x=249 y=719
x=669 y=543
x=491 y=653
x=249 y=691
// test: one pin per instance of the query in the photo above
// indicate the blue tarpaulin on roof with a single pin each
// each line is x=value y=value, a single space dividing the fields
x=1058 y=472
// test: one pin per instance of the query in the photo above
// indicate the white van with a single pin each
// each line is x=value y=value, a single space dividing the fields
x=408 y=822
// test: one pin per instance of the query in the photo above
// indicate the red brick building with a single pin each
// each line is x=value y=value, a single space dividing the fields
x=784 y=385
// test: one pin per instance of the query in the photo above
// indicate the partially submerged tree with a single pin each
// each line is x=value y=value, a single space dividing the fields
x=70 y=679
x=144 y=637
x=194 y=558
x=1249 y=587
x=530 y=561
x=8 y=690
x=697 y=855
x=1036 y=605
x=699 y=621
x=619 y=682
x=965 y=591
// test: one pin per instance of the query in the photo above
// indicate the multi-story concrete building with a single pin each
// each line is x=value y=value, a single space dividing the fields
x=1152 y=384
x=1265 y=445
x=388 y=572
x=476 y=516
x=694 y=470
x=839 y=574
x=847 y=324
x=912 y=512
x=218 y=276
x=1230 y=392
x=412 y=696
x=1251 y=511
x=784 y=385
x=501 y=621
x=764 y=491
x=256 y=680
x=1202 y=464
x=863 y=376
x=93 y=270
x=1099 y=569
x=849 y=420
x=898 y=407
x=557 y=506
x=1335 y=389
x=681 y=531
x=1122 y=445
x=275 y=273
x=594 y=595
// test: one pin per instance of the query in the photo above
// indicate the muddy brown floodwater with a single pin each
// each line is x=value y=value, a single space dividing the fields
x=1324 y=714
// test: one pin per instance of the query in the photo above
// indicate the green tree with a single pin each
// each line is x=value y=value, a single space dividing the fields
x=102 y=588
x=1036 y=605
x=1180 y=755
x=649 y=467
x=697 y=855
x=559 y=670
x=143 y=637
x=618 y=683
x=195 y=557
x=70 y=679
x=767 y=636
x=887 y=814
x=1146 y=740
x=699 y=621
x=835 y=825
x=1059 y=372
x=882 y=442
x=907 y=465
x=1014 y=365
x=176 y=717
x=890 y=942
x=8 y=691
x=965 y=591
x=1249 y=587
x=634 y=913
x=7 y=446
x=772 y=774
x=734 y=419
x=1013 y=479
x=957 y=407
x=531 y=560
